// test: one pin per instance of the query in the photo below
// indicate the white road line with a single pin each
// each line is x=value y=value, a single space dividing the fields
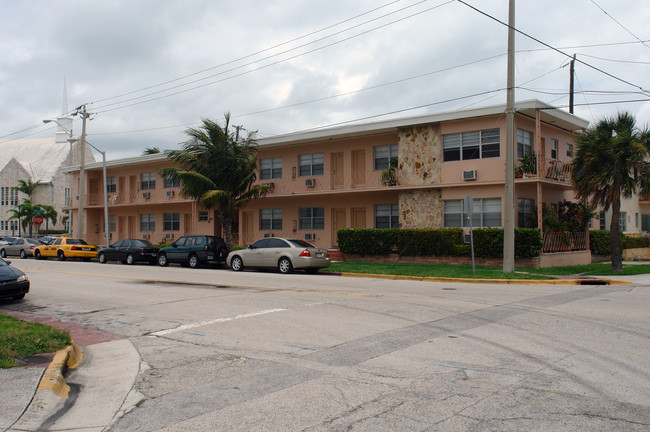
x=214 y=321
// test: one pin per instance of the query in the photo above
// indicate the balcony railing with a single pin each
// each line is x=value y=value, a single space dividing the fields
x=552 y=169
x=564 y=241
x=135 y=197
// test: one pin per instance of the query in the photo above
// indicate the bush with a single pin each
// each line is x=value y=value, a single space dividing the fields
x=600 y=244
x=635 y=242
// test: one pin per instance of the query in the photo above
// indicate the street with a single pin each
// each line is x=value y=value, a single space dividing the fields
x=261 y=351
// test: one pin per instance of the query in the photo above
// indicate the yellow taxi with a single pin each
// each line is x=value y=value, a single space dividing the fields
x=66 y=247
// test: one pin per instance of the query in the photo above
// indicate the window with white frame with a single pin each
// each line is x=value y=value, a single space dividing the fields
x=645 y=222
x=13 y=197
x=271 y=219
x=148 y=181
x=622 y=221
x=171 y=221
x=2 y=193
x=312 y=218
x=387 y=216
x=383 y=156
x=554 y=148
x=471 y=145
x=311 y=164
x=147 y=222
x=487 y=213
x=569 y=150
x=170 y=182
x=524 y=143
x=526 y=214
x=271 y=168
x=111 y=185
x=112 y=223
x=203 y=216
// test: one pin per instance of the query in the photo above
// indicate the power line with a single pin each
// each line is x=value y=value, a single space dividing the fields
x=622 y=26
x=615 y=61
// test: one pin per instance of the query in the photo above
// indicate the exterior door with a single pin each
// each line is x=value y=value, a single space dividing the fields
x=359 y=217
x=358 y=167
x=338 y=172
x=187 y=228
x=247 y=228
x=338 y=222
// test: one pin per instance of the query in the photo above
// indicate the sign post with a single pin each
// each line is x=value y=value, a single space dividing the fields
x=37 y=220
x=469 y=209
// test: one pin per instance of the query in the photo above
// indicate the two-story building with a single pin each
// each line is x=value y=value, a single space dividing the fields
x=324 y=180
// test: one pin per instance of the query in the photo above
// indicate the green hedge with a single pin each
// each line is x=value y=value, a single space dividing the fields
x=636 y=242
x=488 y=242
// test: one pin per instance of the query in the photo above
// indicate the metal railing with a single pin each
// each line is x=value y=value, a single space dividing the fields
x=565 y=241
x=552 y=169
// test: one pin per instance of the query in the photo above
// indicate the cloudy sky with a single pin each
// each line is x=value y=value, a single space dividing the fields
x=148 y=70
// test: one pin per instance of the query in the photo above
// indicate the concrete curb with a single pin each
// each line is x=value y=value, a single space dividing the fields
x=53 y=380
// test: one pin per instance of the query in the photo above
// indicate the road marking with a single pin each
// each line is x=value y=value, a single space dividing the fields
x=541 y=399
x=185 y=327
x=625 y=356
x=301 y=348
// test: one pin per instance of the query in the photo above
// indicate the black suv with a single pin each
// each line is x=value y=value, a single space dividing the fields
x=194 y=250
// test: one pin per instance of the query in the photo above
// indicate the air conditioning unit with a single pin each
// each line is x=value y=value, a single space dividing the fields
x=310 y=183
x=270 y=185
x=267 y=235
x=469 y=174
x=169 y=236
x=146 y=195
x=146 y=236
x=170 y=194
x=310 y=237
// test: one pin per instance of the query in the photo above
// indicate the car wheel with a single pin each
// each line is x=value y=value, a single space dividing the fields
x=60 y=255
x=23 y=255
x=162 y=260
x=284 y=265
x=102 y=258
x=19 y=296
x=37 y=255
x=236 y=264
x=3 y=253
x=193 y=261
x=130 y=260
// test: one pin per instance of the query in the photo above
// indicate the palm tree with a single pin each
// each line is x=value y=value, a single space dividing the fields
x=610 y=162
x=151 y=150
x=49 y=214
x=25 y=212
x=217 y=169
x=27 y=187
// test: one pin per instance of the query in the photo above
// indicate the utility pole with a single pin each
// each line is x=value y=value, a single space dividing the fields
x=509 y=202
x=572 y=71
x=82 y=171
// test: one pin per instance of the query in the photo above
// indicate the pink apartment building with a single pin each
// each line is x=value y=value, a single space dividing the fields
x=324 y=180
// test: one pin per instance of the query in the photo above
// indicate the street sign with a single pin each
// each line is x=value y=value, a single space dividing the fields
x=39 y=211
x=38 y=219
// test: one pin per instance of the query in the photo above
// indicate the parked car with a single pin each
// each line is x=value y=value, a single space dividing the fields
x=7 y=240
x=129 y=251
x=283 y=254
x=13 y=282
x=47 y=239
x=66 y=247
x=194 y=250
x=20 y=246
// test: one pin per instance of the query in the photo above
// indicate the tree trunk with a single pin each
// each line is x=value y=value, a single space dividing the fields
x=614 y=231
x=226 y=223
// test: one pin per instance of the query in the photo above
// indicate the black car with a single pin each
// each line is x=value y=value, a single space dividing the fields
x=13 y=283
x=194 y=250
x=129 y=251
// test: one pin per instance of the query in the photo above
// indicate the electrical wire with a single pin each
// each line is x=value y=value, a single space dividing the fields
x=617 y=22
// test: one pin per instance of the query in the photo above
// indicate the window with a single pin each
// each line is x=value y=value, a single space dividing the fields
x=147 y=222
x=66 y=196
x=524 y=143
x=148 y=181
x=622 y=221
x=2 y=191
x=271 y=219
x=645 y=222
x=111 y=185
x=603 y=220
x=112 y=223
x=526 y=215
x=171 y=221
x=569 y=150
x=311 y=164
x=203 y=216
x=471 y=145
x=554 y=147
x=487 y=213
x=171 y=183
x=312 y=218
x=271 y=168
x=383 y=156
x=387 y=216
x=636 y=220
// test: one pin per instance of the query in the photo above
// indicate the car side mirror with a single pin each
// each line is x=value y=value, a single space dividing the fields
x=250 y=247
x=174 y=244
x=8 y=262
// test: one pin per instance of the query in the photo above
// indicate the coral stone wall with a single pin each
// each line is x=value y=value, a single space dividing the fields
x=420 y=209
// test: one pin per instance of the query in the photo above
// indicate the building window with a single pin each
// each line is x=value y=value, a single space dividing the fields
x=2 y=191
x=311 y=164
x=487 y=213
x=524 y=143
x=148 y=181
x=645 y=222
x=569 y=150
x=603 y=220
x=622 y=221
x=111 y=185
x=383 y=156
x=526 y=214
x=271 y=168
x=147 y=222
x=554 y=147
x=312 y=218
x=203 y=216
x=471 y=145
x=112 y=223
x=171 y=221
x=67 y=197
x=271 y=219
x=171 y=183
x=13 y=195
x=387 y=216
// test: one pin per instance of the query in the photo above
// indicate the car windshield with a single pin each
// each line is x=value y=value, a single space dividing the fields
x=143 y=243
x=33 y=241
x=300 y=243
x=76 y=242
x=3 y=263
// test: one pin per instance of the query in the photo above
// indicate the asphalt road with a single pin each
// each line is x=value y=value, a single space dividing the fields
x=268 y=352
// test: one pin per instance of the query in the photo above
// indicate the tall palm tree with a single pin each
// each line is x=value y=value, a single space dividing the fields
x=27 y=187
x=217 y=169
x=25 y=212
x=611 y=161
x=151 y=150
x=49 y=214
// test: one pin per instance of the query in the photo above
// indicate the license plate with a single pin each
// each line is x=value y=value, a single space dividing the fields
x=319 y=255
x=210 y=257
x=86 y=249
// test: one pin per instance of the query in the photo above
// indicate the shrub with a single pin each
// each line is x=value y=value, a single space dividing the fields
x=635 y=242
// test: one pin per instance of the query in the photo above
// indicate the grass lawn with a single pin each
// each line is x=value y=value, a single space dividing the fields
x=21 y=339
x=482 y=272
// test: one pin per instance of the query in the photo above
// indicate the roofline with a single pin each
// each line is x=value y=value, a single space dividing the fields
x=119 y=163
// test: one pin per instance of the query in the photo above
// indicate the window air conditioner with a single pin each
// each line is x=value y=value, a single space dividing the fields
x=469 y=174
x=270 y=185
x=170 y=194
x=310 y=237
x=146 y=195
x=267 y=235
x=310 y=183
x=169 y=236
x=146 y=236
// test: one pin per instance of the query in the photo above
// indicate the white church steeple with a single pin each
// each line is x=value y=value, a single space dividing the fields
x=64 y=121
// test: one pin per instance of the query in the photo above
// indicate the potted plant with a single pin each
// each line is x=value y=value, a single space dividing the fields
x=388 y=177
x=527 y=165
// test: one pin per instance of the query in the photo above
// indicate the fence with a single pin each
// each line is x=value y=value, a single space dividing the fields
x=565 y=241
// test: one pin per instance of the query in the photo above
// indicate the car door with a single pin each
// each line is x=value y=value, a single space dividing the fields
x=14 y=247
x=50 y=250
x=177 y=250
x=273 y=252
x=255 y=254
x=115 y=252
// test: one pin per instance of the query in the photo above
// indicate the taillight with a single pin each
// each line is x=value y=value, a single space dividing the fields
x=327 y=255
x=305 y=253
x=205 y=248
x=73 y=248
x=31 y=247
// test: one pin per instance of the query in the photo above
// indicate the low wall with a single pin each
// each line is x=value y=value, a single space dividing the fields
x=636 y=254
x=561 y=259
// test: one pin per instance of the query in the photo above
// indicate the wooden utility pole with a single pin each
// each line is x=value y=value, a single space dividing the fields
x=572 y=71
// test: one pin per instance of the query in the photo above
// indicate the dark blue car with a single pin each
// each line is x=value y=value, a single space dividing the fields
x=13 y=283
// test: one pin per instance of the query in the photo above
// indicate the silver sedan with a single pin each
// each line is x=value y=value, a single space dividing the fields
x=19 y=246
x=283 y=254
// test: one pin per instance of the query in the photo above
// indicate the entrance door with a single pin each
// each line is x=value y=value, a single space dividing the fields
x=187 y=229
x=358 y=167
x=338 y=172
x=359 y=217
x=247 y=228
x=338 y=222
